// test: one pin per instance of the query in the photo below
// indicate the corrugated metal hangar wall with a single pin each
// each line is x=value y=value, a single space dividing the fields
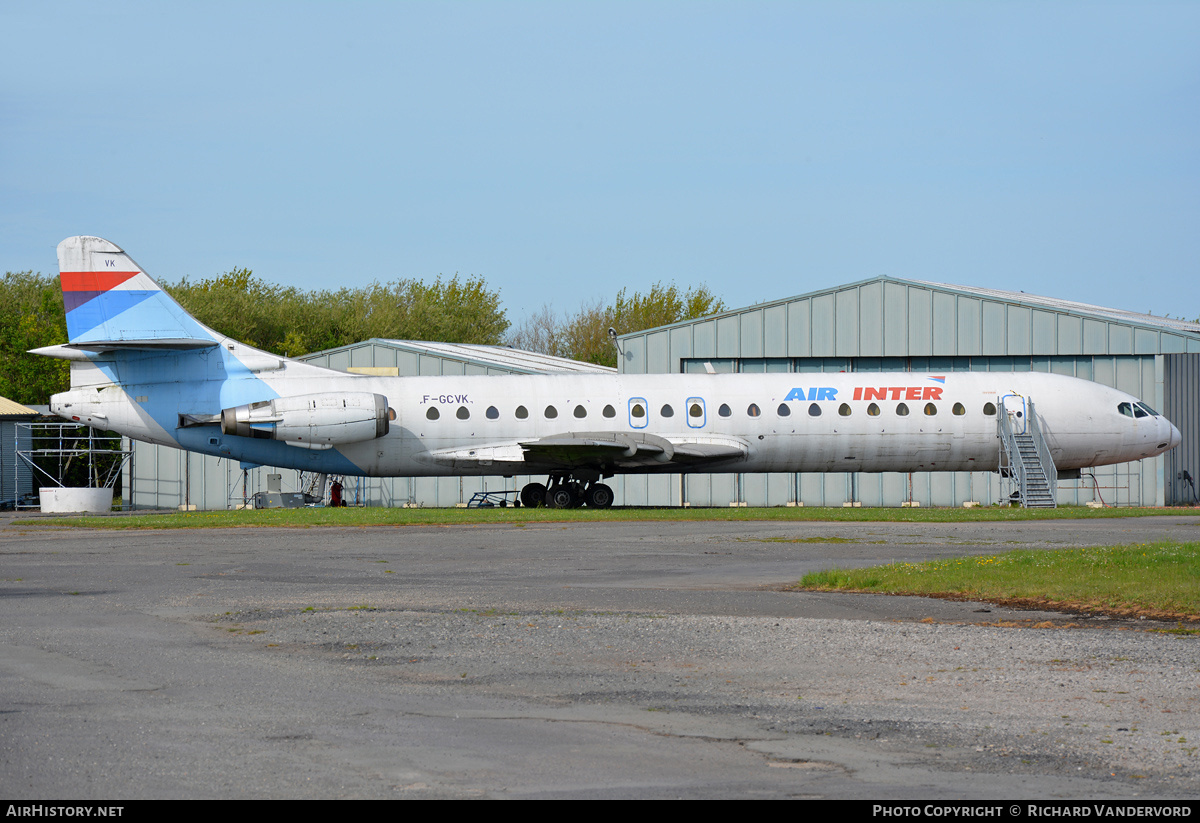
x=884 y=324
x=16 y=478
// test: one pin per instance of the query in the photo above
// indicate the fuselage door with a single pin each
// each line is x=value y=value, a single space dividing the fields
x=1014 y=406
x=695 y=412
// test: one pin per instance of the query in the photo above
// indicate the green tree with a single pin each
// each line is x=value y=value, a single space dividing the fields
x=584 y=335
x=31 y=316
x=288 y=321
x=280 y=319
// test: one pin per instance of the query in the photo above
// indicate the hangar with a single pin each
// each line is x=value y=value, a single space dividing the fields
x=881 y=324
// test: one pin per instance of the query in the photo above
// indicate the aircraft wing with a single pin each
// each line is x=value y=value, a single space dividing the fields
x=601 y=451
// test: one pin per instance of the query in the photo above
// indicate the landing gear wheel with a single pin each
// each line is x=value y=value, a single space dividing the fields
x=533 y=495
x=560 y=497
x=599 y=496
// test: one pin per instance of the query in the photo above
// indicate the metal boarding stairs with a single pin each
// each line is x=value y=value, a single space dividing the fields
x=1025 y=459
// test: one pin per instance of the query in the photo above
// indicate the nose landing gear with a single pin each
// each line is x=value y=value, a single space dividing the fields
x=566 y=491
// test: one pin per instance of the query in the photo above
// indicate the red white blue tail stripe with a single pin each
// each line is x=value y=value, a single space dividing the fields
x=108 y=298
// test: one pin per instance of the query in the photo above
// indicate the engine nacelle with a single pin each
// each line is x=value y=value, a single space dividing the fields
x=312 y=421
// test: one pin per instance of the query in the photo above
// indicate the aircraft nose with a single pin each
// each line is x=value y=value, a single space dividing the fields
x=1176 y=437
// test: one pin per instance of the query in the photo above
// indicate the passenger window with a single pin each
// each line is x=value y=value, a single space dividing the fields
x=463 y=413
x=432 y=414
x=551 y=412
x=930 y=410
x=1126 y=409
x=667 y=411
x=784 y=411
x=609 y=411
x=902 y=410
x=638 y=411
x=694 y=410
x=724 y=411
x=492 y=413
x=391 y=414
x=989 y=409
x=959 y=409
x=580 y=412
x=873 y=410
x=752 y=410
x=522 y=412
x=844 y=410
x=814 y=410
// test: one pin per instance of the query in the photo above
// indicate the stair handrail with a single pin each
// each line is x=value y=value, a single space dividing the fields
x=1009 y=450
x=1043 y=452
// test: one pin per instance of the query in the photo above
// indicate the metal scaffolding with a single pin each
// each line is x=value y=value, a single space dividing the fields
x=52 y=450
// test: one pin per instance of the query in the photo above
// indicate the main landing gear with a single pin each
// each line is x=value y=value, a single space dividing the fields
x=567 y=492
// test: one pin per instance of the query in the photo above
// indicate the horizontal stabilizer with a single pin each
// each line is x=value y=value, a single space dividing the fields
x=78 y=351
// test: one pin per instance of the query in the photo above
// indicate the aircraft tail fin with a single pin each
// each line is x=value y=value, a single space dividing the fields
x=112 y=303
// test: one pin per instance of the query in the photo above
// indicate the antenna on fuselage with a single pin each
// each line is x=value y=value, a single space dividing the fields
x=612 y=335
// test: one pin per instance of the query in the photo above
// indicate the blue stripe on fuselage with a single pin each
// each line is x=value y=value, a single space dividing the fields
x=265 y=452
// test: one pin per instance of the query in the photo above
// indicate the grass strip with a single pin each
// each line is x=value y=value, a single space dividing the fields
x=352 y=517
x=1160 y=580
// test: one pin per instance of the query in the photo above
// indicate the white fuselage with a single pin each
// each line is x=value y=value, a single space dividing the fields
x=868 y=422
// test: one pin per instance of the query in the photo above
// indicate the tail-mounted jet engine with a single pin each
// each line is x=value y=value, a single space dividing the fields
x=312 y=421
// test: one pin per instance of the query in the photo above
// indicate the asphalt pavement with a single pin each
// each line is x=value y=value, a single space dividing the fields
x=571 y=660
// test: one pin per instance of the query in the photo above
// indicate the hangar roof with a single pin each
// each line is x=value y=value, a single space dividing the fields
x=888 y=317
x=528 y=362
x=1072 y=306
x=11 y=408
x=392 y=356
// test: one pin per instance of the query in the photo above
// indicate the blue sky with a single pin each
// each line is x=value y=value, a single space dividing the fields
x=565 y=150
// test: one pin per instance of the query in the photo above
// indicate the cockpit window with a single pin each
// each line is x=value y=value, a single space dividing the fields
x=1125 y=409
x=1147 y=409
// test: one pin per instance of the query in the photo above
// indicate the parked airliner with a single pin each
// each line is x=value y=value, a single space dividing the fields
x=143 y=367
